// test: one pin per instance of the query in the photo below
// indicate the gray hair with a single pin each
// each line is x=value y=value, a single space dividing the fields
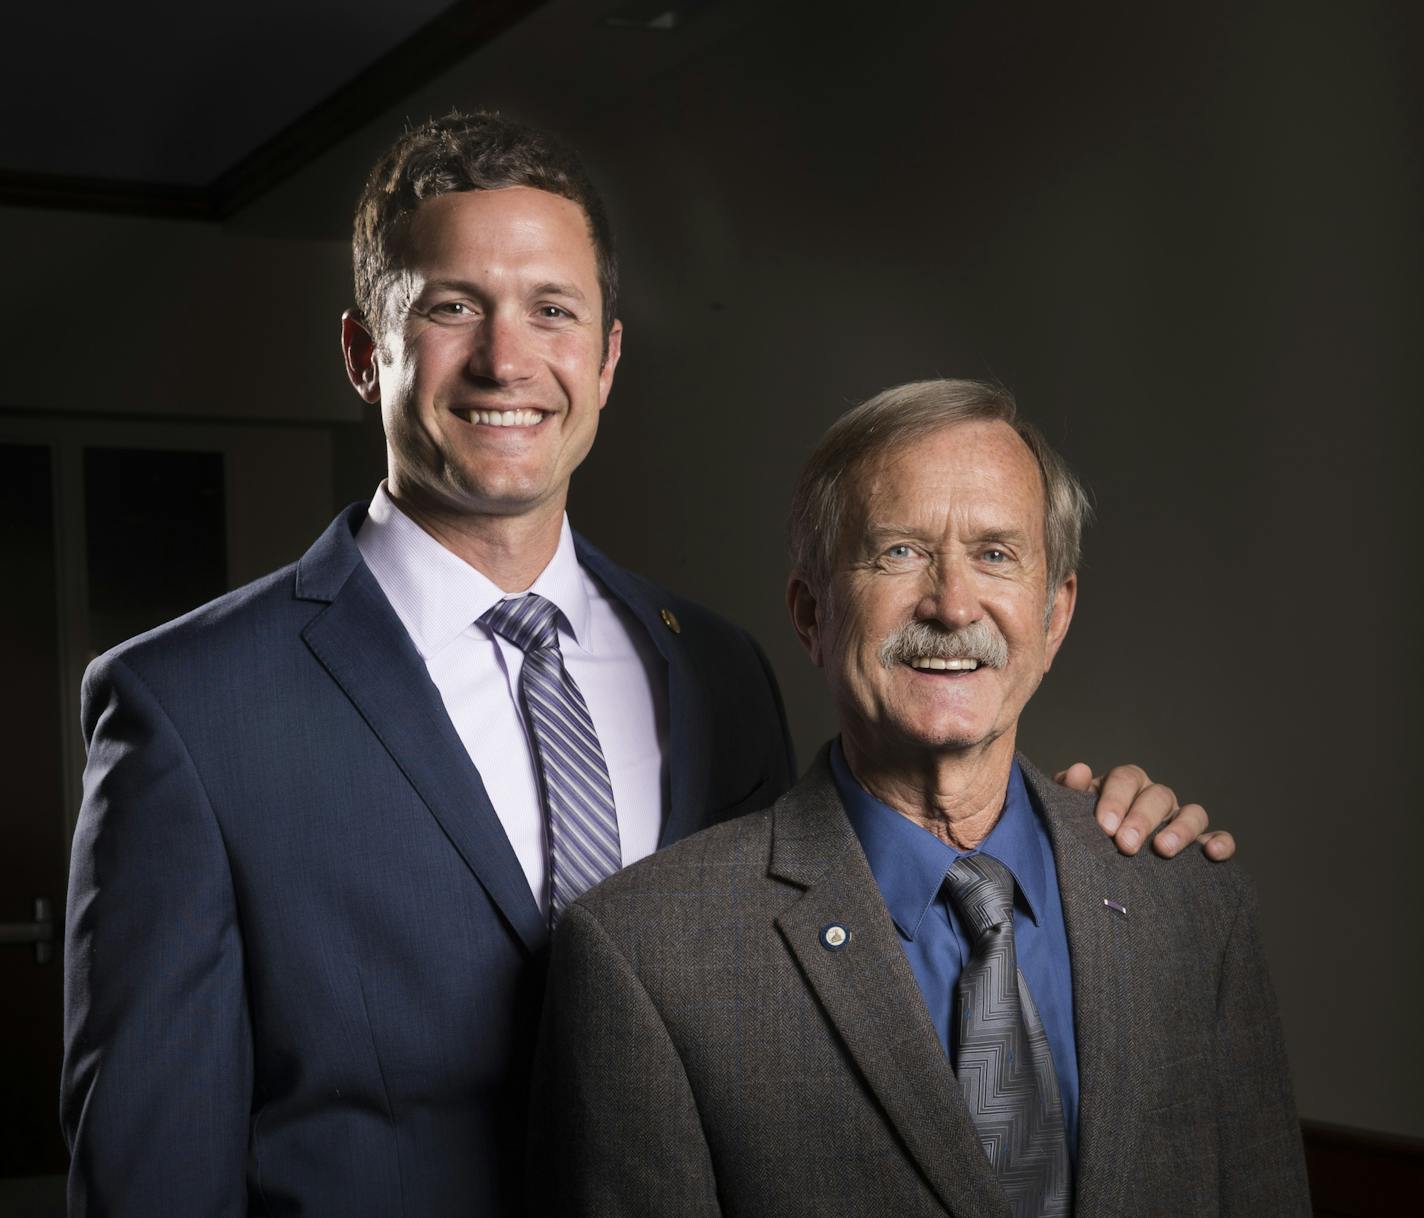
x=898 y=416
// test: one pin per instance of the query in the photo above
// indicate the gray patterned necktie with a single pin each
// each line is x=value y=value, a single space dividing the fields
x=1002 y=1058
x=578 y=797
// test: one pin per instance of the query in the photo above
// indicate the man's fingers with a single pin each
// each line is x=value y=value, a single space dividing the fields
x=1218 y=845
x=1119 y=789
x=1131 y=807
x=1151 y=806
x=1188 y=823
x=1078 y=776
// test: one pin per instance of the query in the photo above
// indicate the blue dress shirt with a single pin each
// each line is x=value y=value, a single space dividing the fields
x=909 y=864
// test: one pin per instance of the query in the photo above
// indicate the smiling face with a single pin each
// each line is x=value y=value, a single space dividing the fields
x=932 y=631
x=490 y=370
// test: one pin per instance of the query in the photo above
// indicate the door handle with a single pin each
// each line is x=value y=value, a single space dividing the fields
x=40 y=932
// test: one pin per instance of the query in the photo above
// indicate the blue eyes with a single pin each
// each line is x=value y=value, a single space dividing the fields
x=994 y=555
x=449 y=313
x=458 y=311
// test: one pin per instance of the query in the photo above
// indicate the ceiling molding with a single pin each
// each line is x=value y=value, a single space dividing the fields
x=169 y=200
x=436 y=46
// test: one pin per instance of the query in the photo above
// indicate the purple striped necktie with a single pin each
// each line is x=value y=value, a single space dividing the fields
x=578 y=797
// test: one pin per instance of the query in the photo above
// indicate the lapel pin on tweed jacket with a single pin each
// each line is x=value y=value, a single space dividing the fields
x=1116 y=906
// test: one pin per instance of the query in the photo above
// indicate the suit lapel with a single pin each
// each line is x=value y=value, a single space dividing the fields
x=1106 y=1013
x=689 y=717
x=361 y=643
x=870 y=995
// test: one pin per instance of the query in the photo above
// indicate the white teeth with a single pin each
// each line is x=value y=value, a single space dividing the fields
x=939 y=665
x=504 y=418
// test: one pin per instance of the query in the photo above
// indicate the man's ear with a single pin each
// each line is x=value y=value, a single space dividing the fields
x=610 y=362
x=358 y=347
x=805 y=612
x=1065 y=599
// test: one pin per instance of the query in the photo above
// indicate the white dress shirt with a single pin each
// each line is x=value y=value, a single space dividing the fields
x=440 y=598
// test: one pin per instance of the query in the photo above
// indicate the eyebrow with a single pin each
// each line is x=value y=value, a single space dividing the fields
x=551 y=288
x=1013 y=536
x=874 y=534
x=881 y=532
x=451 y=285
x=548 y=288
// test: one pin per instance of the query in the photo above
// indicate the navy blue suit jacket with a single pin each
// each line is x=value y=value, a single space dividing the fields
x=303 y=965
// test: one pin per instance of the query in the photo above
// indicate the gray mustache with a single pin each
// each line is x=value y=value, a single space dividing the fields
x=980 y=641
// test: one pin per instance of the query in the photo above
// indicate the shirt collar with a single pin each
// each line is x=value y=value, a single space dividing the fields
x=909 y=863
x=438 y=595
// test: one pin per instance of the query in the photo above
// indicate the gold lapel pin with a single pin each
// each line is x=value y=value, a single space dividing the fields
x=670 y=620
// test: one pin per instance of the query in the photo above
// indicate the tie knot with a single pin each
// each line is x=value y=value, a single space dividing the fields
x=982 y=889
x=529 y=622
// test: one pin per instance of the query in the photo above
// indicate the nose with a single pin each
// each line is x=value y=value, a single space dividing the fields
x=500 y=352
x=949 y=596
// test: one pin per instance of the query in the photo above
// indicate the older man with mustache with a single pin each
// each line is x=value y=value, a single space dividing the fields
x=917 y=984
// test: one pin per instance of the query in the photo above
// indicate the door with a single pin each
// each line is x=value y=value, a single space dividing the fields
x=107 y=528
x=32 y=862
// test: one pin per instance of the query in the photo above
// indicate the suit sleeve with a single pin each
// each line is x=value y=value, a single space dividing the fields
x=1262 y=1161
x=157 y=1082
x=615 y=1131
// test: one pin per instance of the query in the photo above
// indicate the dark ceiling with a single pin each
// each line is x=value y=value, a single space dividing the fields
x=267 y=114
x=175 y=108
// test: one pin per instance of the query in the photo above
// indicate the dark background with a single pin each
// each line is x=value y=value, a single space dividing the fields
x=1189 y=239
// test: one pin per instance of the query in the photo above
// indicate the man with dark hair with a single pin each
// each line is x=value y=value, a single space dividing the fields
x=460 y=153
x=919 y=984
x=330 y=817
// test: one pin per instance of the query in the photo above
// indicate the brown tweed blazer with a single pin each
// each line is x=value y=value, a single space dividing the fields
x=703 y=1053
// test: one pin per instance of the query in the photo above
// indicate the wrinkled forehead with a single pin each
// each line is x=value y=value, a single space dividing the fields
x=977 y=475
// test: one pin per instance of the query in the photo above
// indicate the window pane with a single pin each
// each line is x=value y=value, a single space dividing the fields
x=156 y=537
